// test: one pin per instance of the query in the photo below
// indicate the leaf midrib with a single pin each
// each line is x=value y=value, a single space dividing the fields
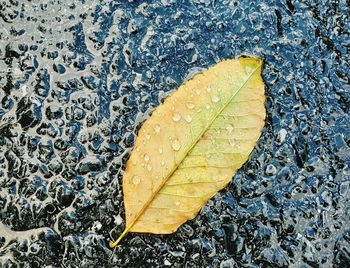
x=155 y=193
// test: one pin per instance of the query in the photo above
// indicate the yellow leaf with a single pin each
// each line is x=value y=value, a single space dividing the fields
x=192 y=145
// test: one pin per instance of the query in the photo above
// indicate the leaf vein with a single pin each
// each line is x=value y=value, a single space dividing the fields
x=240 y=115
x=218 y=152
x=207 y=166
x=186 y=196
x=174 y=209
x=196 y=182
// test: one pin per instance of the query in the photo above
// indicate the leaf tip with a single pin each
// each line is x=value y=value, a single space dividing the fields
x=259 y=61
x=251 y=60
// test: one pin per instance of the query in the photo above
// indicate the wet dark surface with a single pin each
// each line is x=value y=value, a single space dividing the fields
x=78 y=79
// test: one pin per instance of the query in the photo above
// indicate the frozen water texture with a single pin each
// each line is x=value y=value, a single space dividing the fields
x=78 y=78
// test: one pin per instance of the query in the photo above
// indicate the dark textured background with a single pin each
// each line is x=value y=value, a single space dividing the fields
x=77 y=79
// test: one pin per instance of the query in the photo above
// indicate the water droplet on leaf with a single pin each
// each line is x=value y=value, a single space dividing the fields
x=190 y=105
x=146 y=157
x=188 y=118
x=176 y=117
x=232 y=142
x=136 y=180
x=248 y=69
x=156 y=128
x=176 y=145
x=215 y=98
x=229 y=128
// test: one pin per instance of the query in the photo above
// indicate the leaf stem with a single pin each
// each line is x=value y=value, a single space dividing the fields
x=116 y=242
